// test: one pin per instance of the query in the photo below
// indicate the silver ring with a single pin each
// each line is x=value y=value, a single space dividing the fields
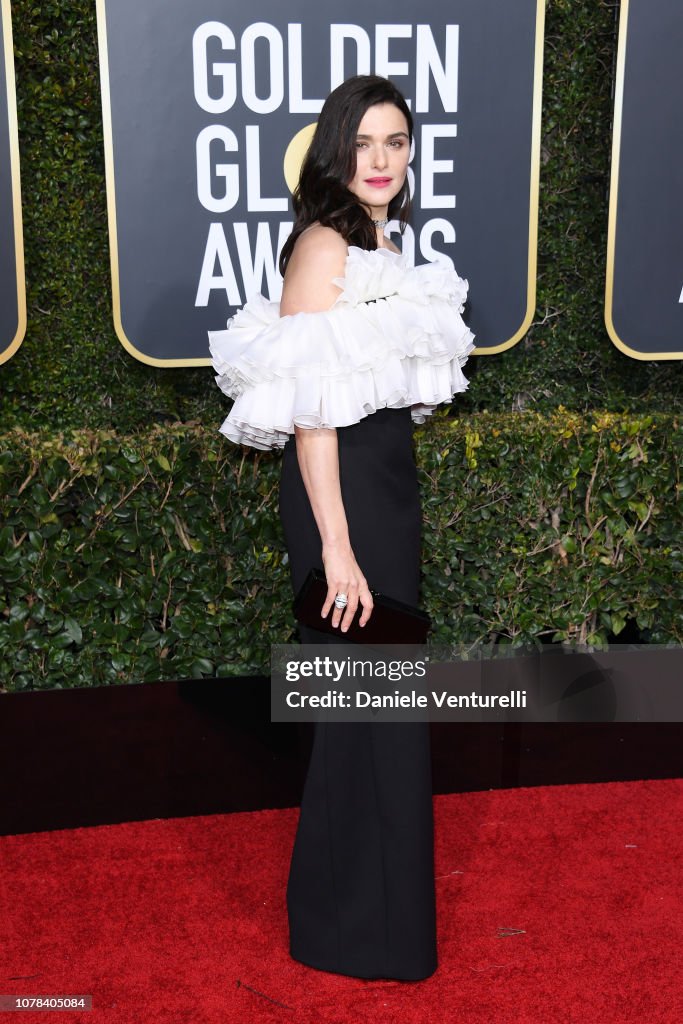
x=341 y=601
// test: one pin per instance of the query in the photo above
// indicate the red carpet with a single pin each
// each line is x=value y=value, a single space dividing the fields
x=556 y=904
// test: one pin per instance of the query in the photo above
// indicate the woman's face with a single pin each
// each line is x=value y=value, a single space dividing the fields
x=382 y=154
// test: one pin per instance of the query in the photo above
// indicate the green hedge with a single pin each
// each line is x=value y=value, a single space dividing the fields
x=71 y=369
x=159 y=555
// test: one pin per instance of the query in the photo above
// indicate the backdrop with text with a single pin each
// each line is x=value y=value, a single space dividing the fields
x=208 y=109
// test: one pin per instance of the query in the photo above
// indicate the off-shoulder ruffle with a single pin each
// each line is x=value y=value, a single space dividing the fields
x=394 y=337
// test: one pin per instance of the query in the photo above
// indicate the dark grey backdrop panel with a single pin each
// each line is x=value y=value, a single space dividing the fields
x=645 y=257
x=162 y=226
x=9 y=311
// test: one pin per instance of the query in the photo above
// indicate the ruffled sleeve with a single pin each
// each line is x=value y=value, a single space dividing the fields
x=394 y=338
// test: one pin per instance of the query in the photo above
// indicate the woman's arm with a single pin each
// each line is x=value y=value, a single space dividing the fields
x=318 y=256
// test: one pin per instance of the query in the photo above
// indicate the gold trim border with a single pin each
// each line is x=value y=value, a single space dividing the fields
x=613 y=190
x=111 y=204
x=534 y=189
x=111 y=197
x=15 y=175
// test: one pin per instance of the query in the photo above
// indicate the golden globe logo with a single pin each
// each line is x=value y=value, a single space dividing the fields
x=295 y=153
x=227 y=68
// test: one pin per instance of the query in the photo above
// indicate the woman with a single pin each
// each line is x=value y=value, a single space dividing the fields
x=360 y=346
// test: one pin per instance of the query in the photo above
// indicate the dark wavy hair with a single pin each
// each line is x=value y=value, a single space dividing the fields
x=322 y=194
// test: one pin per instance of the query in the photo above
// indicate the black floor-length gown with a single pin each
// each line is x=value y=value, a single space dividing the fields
x=360 y=893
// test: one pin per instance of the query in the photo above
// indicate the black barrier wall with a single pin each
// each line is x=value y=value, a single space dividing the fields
x=208 y=110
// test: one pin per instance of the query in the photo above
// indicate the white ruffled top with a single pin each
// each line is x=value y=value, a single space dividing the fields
x=393 y=338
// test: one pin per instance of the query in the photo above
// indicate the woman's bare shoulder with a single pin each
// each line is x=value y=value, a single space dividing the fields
x=319 y=241
x=319 y=255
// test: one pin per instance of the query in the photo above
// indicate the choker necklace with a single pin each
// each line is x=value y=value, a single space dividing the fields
x=381 y=223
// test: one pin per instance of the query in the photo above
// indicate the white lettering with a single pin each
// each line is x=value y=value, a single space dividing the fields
x=217 y=247
x=338 y=35
x=445 y=75
x=263 y=261
x=384 y=66
x=433 y=227
x=250 y=67
x=431 y=166
x=262 y=30
x=254 y=199
x=225 y=72
x=230 y=172
x=295 y=63
x=262 y=63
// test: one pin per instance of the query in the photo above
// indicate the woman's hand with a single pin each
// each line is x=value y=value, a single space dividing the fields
x=345 y=577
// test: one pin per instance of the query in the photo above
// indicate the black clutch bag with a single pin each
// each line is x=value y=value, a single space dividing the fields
x=391 y=622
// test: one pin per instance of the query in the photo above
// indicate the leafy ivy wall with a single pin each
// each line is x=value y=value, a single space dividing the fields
x=159 y=554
